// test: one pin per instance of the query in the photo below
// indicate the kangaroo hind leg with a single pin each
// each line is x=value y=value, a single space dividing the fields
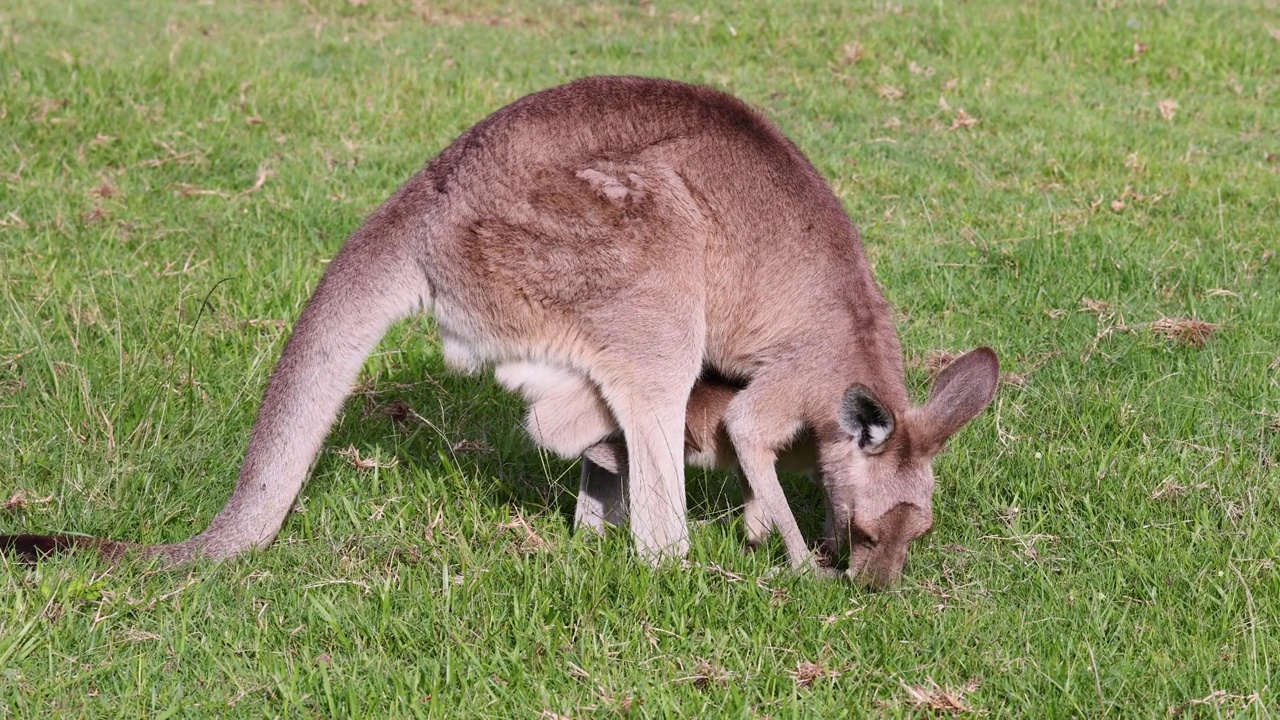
x=648 y=394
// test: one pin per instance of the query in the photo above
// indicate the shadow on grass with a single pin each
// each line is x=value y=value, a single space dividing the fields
x=422 y=413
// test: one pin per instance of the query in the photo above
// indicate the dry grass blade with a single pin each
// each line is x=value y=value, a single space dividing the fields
x=705 y=674
x=19 y=500
x=940 y=699
x=44 y=106
x=1028 y=542
x=1217 y=698
x=471 y=446
x=189 y=190
x=1222 y=292
x=352 y=455
x=364 y=587
x=1100 y=308
x=716 y=570
x=264 y=173
x=531 y=542
x=135 y=635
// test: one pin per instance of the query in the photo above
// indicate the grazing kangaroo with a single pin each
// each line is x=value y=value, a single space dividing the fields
x=622 y=233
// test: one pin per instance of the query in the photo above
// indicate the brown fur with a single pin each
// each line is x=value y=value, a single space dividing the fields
x=612 y=237
x=879 y=544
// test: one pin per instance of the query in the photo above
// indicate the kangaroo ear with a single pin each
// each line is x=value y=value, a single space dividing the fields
x=863 y=417
x=961 y=391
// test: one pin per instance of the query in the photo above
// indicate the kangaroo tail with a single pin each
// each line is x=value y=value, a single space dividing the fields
x=30 y=548
x=376 y=279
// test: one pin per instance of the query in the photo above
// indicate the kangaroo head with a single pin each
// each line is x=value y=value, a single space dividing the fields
x=879 y=473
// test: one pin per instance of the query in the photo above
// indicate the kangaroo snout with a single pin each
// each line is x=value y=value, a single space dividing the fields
x=878 y=548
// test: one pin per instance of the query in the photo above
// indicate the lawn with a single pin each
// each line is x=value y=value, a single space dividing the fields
x=1091 y=188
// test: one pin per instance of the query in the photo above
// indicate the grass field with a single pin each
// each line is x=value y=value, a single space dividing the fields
x=1091 y=188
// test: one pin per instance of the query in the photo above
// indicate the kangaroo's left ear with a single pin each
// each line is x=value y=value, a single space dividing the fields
x=961 y=391
x=865 y=419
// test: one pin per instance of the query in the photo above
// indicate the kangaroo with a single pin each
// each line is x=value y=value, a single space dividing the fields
x=560 y=419
x=622 y=233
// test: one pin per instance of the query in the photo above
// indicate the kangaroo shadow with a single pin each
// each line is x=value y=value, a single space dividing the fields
x=427 y=411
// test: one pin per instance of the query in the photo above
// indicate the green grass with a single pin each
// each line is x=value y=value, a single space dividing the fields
x=174 y=177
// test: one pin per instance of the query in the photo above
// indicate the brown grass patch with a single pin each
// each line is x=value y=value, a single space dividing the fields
x=104 y=190
x=1186 y=331
x=43 y=107
x=1101 y=308
x=935 y=361
x=963 y=120
x=889 y=92
x=1015 y=379
x=1169 y=489
x=807 y=673
x=706 y=674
